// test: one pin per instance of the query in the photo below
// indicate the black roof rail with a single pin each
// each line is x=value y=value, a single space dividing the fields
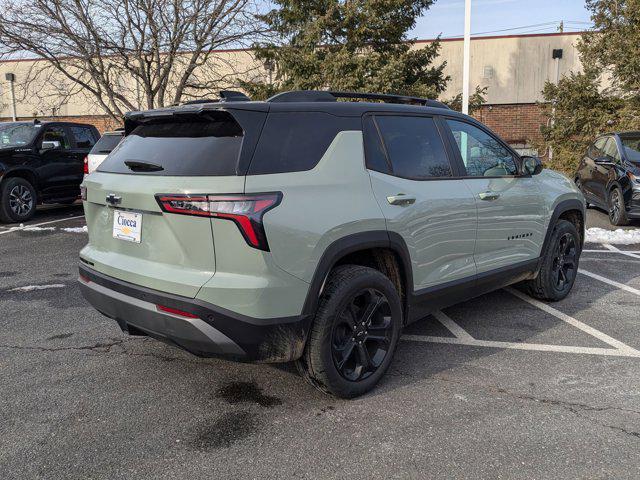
x=330 y=96
x=225 y=96
x=200 y=100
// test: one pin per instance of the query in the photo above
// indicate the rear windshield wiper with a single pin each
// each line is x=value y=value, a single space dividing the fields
x=138 y=166
x=105 y=151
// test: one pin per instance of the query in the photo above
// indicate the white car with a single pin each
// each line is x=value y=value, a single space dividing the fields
x=101 y=149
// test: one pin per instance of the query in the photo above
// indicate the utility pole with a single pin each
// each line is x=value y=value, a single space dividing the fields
x=11 y=78
x=556 y=55
x=466 y=56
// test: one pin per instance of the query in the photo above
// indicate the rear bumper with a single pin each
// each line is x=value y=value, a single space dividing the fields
x=215 y=332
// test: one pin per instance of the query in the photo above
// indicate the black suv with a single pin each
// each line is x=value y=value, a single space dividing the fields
x=41 y=162
x=609 y=175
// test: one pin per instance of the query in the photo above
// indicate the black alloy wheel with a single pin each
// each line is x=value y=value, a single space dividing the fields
x=617 y=211
x=362 y=335
x=565 y=262
x=20 y=200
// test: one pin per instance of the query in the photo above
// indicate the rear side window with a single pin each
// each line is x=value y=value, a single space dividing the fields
x=83 y=136
x=106 y=144
x=294 y=141
x=413 y=146
x=194 y=146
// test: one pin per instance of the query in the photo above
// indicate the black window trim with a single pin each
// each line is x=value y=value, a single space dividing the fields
x=455 y=172
x=452 y=142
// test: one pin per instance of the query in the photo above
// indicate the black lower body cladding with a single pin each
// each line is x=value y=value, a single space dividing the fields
x=212 y=332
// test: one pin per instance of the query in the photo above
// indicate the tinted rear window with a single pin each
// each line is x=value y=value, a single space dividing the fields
x=106 y=144
x=195 y=146
x=414 y=147
x=295 y=141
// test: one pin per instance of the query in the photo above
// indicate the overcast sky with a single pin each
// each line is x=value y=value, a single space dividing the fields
x=446 y=17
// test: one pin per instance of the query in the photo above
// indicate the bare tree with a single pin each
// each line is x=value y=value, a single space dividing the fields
x=131 y=53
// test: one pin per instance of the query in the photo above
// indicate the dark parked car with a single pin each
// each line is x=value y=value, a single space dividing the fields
x=609 y=175
x=41 y=162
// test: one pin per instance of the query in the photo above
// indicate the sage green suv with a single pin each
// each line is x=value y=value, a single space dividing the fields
x=313 y=230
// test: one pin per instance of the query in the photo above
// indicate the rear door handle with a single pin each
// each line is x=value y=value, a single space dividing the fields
x=400 y=199
x=489 y=196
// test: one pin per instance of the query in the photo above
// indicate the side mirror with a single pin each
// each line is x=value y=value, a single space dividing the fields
x=604 y=161
x=50 y=145
x=531 y=165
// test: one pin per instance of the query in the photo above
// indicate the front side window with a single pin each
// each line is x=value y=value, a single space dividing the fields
x=597 y=149
x=482 y=154
x=611 y=150
x=413 y=147
x=57 y=134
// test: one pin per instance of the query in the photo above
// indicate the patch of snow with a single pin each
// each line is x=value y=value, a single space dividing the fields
x=76 y=229
x=613 y=237
x=30 y=288
x=31 y=229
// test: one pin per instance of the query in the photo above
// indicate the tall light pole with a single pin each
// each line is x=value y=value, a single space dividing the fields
x=466 y=57
x=11 y=78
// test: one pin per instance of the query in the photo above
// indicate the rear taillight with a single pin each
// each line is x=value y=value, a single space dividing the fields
x=175 y=311
x=86 y=166
x=245 y=210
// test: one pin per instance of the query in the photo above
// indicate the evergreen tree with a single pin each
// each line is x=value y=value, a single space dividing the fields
x=351 y=45
x=606 y=95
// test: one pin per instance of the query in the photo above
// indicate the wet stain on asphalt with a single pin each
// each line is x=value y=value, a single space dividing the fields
x=226 y=430
x=67 y=297
x=246 y=392
x=60 y=336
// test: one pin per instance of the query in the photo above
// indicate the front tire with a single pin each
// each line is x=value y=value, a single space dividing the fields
x=617 y=209
x=354 y=334
x=17 y=200
x=559 y=264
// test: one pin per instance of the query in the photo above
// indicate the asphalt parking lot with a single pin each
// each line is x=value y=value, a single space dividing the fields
x=498 y=387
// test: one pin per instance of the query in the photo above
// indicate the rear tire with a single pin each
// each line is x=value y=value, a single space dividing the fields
x=17 y=200
x=354 y=334
x=559 y=264
x=617 y=209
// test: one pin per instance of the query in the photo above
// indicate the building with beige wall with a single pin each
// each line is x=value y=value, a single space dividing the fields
x=513 y=68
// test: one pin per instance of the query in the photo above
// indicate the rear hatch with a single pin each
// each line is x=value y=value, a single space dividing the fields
x=130 y=236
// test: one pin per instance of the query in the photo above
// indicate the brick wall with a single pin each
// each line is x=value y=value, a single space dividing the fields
x=102 y=122
x=516 y=123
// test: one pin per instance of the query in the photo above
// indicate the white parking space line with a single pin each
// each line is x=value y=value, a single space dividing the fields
x=619 y=285
x=23 y=227
x=570 y=320
x=540 y=347
x=617 y=250
x=452 y=326
x=462 y=337
x=611 y=248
